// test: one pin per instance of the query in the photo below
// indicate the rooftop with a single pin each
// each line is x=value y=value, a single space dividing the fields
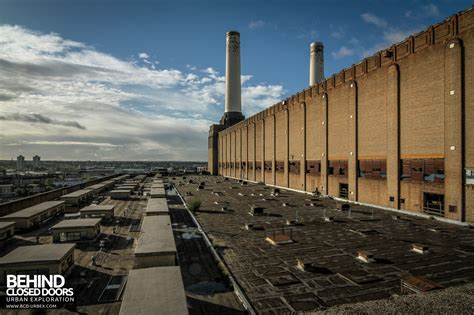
x=34 y=210
x=73 y=223
x=96 y=186
x=77 y=193
x=159 y=191
x=154 y=290
x=329 y=272
x=6 y=224
x=121 y=191
x=156 y=236
x=37 y=253
x=157 y=205
x=98 y=208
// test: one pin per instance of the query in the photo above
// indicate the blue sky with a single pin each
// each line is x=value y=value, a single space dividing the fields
x=143 y=79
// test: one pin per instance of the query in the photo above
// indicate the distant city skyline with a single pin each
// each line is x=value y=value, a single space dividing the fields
x=143 y=80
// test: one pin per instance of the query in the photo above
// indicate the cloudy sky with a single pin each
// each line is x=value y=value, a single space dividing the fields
x=143 y=80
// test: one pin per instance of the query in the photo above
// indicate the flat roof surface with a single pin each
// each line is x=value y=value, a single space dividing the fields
x=77 y=193
x=96 y=186
x=98 y=208
x=73 y=223
x=6 y=224
x=34 y=210
x=157 y=205
x=269 y=274
x=156 y=236
x=157 y=290
x=36 y=253
x=120 y=191
x=157 y=191
x=154 y=185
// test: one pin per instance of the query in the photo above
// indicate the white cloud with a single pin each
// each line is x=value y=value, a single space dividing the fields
x=425 y=11
x=389 y=34
x=337 y=32
x=143 y=55
x=310 y=34
x=389 y=37
x=74 y=143
x=342 y=52
x=259 y=97
x=190 y=67
x=256 y=24
x=245 y=78
x=66 y=100
x=394 y=36
x=373 y=19
x=430 y=10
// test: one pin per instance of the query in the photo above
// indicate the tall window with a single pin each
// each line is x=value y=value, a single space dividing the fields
x=294 y=167
x=428 y=170
x=375 y=169
x=338 y=168
x=279 y=166
x=268 y=166
x=313 y=167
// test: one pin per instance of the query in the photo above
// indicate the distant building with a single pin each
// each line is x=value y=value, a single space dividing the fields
x=36 y=161
x=6 y=189
x=20 y=163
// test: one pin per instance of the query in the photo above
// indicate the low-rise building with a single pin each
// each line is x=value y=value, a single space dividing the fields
x=37 y=260
x=157 y=192
x=120 y=194
x=78 y=198
x=108 y=184
x=97 y=188
x=131 y=182
x=126 y=186
x=32 y=216
x=157 y=206
x=154 y=290
x=76 y=230
x=106 y=212
x=7 y=230
x=156 y=246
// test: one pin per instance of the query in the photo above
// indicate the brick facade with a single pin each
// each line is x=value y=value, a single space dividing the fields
x=412 y=101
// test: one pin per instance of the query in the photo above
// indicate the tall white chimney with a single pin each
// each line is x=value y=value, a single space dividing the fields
x=316 y=63
x=233 y=111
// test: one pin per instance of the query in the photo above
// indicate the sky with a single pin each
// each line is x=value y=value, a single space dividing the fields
x=143 y=80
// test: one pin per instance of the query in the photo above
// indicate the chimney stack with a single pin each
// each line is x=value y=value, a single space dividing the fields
x=233 y=112
x=316 y=63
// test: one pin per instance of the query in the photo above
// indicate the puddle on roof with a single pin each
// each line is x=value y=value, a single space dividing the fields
x=190 y=235
x=207 y=287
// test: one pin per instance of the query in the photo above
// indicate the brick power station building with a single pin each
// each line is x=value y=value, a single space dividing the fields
x=395 y=130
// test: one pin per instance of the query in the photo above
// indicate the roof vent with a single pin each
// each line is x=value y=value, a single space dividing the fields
x=365 y=256
x=419 y=248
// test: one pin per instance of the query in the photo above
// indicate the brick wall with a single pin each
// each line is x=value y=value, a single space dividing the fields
x=411 y=100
